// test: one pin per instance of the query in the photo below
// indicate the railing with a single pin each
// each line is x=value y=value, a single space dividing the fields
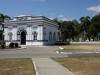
x=23 y=19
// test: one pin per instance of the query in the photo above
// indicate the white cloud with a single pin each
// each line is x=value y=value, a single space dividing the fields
x=65 y=19
x=40 y=15
x=94 y=8
x=60 y=16
x=53 y=13
x=51 y=18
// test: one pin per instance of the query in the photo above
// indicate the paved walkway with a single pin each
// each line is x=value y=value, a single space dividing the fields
x=46 y=66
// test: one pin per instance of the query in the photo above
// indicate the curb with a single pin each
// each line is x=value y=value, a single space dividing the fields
x=21 y=48
x=61 y=48
x=72 y=52
x=35 y=67
x=57 y=51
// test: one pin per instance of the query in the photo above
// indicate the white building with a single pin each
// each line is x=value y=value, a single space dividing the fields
x=30 y=30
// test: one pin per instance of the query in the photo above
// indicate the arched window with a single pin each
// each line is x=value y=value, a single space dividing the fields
x=54 y=36
x=35 y=36
x=50 y=36
x=10 y=36
x=44 y=33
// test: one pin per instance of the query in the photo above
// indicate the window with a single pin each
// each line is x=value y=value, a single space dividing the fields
x=54 y=36
x=50 y=36
x=35 y=36
x=10 y=29
x=44 y=28
x=44 y=36
x=10 y=36
x=34 y=27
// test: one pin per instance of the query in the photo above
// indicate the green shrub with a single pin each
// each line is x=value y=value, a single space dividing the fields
x=16 y=44
x=11 y=45
x=62 y=43
x=0 y=46
x=3 y=46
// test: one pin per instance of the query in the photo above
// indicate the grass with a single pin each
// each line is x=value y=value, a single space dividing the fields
x=81 y=65
x=81 y=48
x=16 y=67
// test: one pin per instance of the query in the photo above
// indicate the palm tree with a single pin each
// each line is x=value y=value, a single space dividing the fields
x=85 y=22
x=2 y=18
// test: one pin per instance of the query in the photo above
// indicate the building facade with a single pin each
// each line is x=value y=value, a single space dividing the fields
x=30 y=30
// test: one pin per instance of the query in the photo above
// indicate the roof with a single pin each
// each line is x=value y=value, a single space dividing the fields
x=28 y=19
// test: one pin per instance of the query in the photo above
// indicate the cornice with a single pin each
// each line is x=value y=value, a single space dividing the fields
x=31 y=22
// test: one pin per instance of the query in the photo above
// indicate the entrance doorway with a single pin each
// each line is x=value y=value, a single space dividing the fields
x=23 y=38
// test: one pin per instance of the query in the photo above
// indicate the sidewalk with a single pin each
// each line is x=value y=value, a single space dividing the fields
x=46 y=66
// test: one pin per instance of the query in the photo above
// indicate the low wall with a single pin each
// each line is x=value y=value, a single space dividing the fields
x=84 y=42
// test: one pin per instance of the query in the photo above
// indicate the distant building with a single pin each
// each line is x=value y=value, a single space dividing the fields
x=30 y=30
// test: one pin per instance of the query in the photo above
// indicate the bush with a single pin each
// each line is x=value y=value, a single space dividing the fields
x=16 y=44
x=62 y=43
x=3 y=46
x=0 y=46
x=11 y=45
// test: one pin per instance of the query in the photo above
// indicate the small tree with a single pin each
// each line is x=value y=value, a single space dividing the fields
x=11 y=45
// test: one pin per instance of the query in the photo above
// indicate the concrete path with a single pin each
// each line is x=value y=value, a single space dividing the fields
x=46 y=66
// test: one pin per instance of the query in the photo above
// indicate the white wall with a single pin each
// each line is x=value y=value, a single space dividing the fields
x=30 y=29
x=50 y=29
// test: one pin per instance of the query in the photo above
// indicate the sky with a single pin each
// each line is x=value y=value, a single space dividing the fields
x=61 y=9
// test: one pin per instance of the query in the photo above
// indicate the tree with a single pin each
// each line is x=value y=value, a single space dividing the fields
x=58 y=22
x=95 y=26
x=69 y=29
x=84 y=25
x=76 y=29
x=2 y=18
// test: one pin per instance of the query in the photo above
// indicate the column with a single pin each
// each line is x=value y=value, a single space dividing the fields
x=16 y=33
x=31 y=32
x=28 y=32
x=5 y=33
x=40 y=32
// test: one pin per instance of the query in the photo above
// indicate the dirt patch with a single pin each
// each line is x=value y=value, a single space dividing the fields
x=81 y=65
x=16 y=67
x=81 y=48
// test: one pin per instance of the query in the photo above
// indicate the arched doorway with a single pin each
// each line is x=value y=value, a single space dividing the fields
x=23 y=38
